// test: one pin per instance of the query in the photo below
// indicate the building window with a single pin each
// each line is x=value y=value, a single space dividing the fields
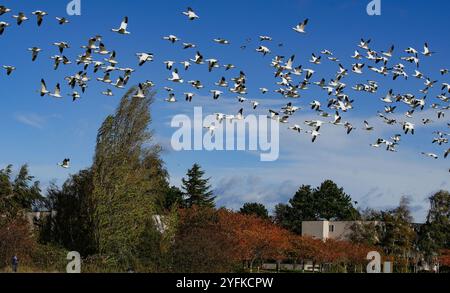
x=331 y=228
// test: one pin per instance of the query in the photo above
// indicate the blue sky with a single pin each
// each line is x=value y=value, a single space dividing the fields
x=41 y=131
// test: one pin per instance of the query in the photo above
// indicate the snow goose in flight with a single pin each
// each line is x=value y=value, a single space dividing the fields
x=255 y=104
x=314 y=134
x=388 y=98
x=265 y=38
x=62 y=20
x=108 y=92
x=300 y=28
x=4 y=9
x=408 y=127
x=9 y=69
x=411 y=50
x=3 y=25
x=357 y=56
x=357 y=68
x=120 y=83
x=43 y=91
x=315 y=105
x=188 y=45
x=412 y=59
x=186 y=64
x=171 y=98
x=61 y=46
x=446 y=86
x=212 y=63
x=367 y=127
x=112 y=58
x=198 y=59
x=216 y=94
x=389 y=53
x=169 y=64
x=196 y=84
x=315 y=123
x=429 y=83
x=443 y=71
x=263 y=50
x=290 y=109
x=389 y=109
x=309 y=73
x=65 y=164
x=446 y=153
x=431 y=155
x=296 y=128
x=21 y=17
x=426 y=51
x=418 y=74
x=123 y=27
x=221 y=41
x=364 y=44
x=189 y=96
x=171 y=38
x=240 y=115
x=334 y=59
x=144 y=57
x=440 y=140
x=60 y=59
x=337 y=119
x=211 y=128
x=220 y=117
x=241 y=99
x=222 y=82
x=40 y=16
x=75 y=96
x=426 y=121
x=349 y=127
x=191 y=14
x=175 y=77
x=263 y=90
x=229 y=66
x=140 y=94
x=102 y=50
x=314 y=59
x=57 y=92
x=273 y=115
x=34 y=52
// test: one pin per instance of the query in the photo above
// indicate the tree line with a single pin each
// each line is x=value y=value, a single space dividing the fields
x=122 y=214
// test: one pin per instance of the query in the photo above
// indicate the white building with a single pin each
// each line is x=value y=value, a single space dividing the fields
x=339 y=230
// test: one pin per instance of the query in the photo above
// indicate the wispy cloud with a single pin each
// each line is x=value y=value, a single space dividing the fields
x=31 y=119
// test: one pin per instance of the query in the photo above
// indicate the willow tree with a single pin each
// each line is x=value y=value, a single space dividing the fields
x=128 y=176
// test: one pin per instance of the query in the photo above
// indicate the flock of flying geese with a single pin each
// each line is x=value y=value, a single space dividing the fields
x=100 y=59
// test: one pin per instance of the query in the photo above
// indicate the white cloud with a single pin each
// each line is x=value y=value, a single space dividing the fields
x=33 y=120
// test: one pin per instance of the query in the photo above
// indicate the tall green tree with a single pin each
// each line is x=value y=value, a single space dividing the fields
x=173 y=197
x=434 y=235
x=70 y=225
x=398 y=236
x=255 y=209
x=332 y=203
x=19 y=194
x=197 y=190
x=128 y=177
x=326 y=202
